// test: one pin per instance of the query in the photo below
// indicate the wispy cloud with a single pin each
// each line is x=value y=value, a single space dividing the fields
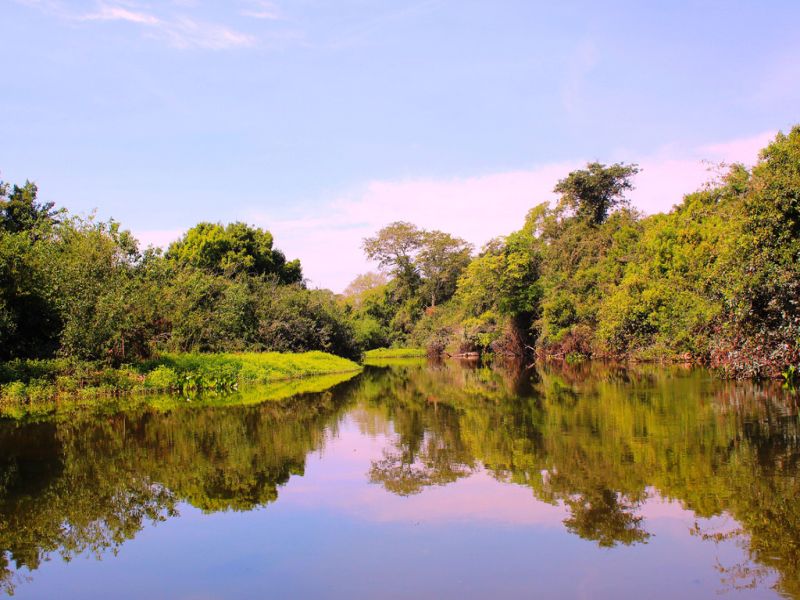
x=118 y=13
x=184 y=32
x=179 y=30
x=358 y=32
x=669 y=174
x=261 y=10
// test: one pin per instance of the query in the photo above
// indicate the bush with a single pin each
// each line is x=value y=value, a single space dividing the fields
x=161 y=378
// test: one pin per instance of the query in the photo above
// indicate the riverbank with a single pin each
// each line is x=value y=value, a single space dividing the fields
x=40 y=381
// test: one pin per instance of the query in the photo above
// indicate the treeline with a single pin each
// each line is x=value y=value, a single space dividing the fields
x=716 y=280
x=81 y=288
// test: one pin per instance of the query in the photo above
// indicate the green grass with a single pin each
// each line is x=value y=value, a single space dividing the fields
x=43 y=382
x=395 y=353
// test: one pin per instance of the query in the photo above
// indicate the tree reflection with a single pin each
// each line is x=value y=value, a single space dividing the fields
x=596 y=437
x=605 y=517
x=88 y=484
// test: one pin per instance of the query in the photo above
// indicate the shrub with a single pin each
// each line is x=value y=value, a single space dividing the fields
x=161 y=378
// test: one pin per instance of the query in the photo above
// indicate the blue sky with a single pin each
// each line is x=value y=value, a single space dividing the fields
x=324 y=120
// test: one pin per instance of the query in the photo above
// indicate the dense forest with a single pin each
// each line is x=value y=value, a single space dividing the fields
x=716 y=281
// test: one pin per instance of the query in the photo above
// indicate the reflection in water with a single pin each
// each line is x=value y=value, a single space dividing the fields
x=597 y=440
x=90 y=484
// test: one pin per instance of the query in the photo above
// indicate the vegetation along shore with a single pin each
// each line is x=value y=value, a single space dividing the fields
x=714 y=281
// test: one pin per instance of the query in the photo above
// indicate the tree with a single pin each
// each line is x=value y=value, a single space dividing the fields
x=20 y=211
x=362 y=285
x=233 y=249
x=762 y=283
x=592 y=193
x=394 y=248
x=442 y=258
x=29 y=324
x=104 y=304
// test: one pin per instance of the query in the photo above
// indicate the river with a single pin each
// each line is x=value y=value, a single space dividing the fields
x=414 y=480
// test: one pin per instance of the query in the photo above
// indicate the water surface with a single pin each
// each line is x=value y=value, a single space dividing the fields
x=414 y=480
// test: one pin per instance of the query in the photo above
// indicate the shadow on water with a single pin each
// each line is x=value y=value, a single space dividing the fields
x=596 y=439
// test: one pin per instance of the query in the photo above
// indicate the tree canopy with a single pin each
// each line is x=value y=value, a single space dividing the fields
x=592 y=193
x=232 y=249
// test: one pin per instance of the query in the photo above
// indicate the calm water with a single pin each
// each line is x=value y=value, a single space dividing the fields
x=415 y=481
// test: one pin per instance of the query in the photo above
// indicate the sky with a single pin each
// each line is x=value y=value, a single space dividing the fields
x=324 y=121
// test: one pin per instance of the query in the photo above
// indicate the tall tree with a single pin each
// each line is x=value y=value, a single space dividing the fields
x=442 y=258
x=21 y=211
x=592 y=193
x=394 y=248
x=29 y=323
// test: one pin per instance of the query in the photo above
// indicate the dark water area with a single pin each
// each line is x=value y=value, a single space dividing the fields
x=415 y=480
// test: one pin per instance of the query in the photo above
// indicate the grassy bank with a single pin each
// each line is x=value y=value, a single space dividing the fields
x=394 y=353
x=40 y=381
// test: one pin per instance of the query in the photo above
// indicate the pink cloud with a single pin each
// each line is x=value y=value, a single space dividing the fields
x=744 y=150
x=475 y=208
x=159 y=238
x=668 y=175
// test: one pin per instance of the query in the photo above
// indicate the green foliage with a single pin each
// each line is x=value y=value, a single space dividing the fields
x=363 y=287
x=233 y=249
x=21 y=212
x=592 y=193
x=394 y=248
x=162 y=378
x=715 y=280
x=81 y=288
x=791 y=376
x=762 y=284
x=369 y=332
x=29 y=322
x=425 y=265
x=441 y=260
x=670 y=294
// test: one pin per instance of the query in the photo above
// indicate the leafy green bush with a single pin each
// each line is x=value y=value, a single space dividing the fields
x=161 y=378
